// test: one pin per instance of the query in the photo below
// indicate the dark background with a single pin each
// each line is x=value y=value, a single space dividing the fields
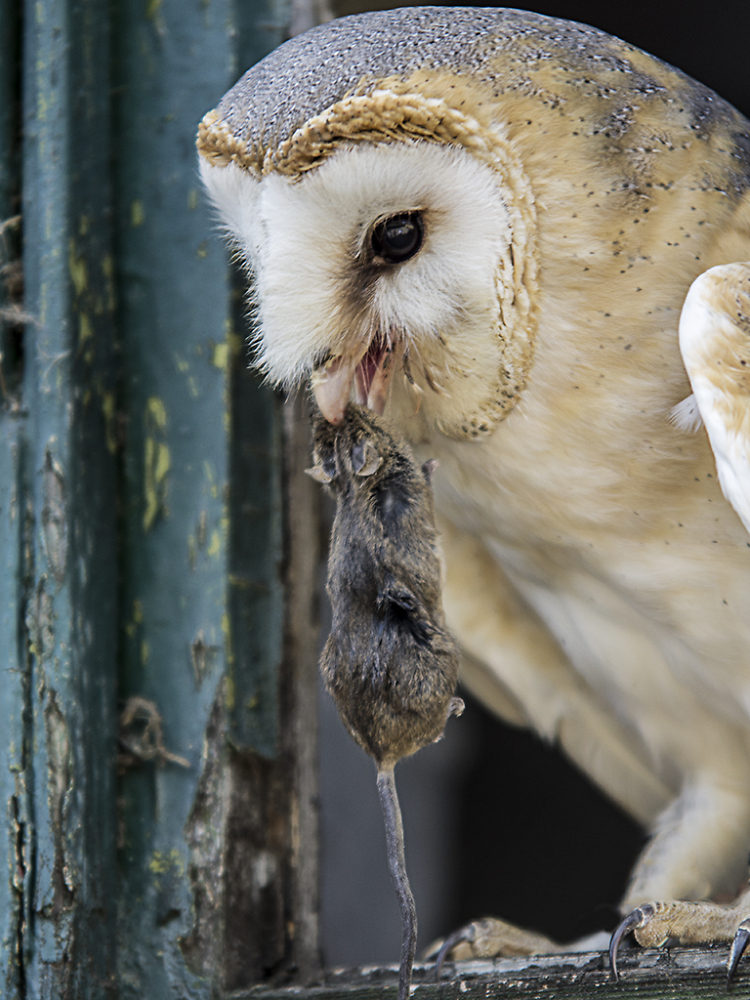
x=497 y=822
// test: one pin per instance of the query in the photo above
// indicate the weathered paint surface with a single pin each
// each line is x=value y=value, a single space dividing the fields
x=13 y=815
x=13 y=695
x=202 y=599
x=173 y=310
x=67 y=586
x=141 y=519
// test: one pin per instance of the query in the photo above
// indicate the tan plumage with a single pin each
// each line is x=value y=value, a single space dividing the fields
x=570 y=189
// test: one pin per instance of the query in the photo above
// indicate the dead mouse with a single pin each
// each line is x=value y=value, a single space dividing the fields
x=390 y=663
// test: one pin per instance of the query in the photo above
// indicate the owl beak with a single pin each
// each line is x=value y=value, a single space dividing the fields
x=332 y=386
x=368 y=374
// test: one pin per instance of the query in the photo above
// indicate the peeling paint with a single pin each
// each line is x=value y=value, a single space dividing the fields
x=77 y=268
x=202 y=657
x=85 y=330
x=157 y=463
x=225 y=628
x=54 y=518
x=137 y=214
x=220 y=355
x=108 y=409
x=59 y=769
x=214 y=548
x=108 y=270
x=19 y=880
x=162 y=862
x=40 y=622
x=202 y=529
x=205 y=836
x=192 y=552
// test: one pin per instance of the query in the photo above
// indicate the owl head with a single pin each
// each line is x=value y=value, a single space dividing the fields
x=392 y=181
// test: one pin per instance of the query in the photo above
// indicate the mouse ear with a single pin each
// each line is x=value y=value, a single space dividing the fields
x=365 y=459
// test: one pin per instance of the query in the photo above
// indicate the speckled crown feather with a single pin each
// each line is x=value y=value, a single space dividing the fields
x=316 y=69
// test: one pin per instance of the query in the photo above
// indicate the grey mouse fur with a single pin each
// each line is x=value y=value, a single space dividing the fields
x=390 y=663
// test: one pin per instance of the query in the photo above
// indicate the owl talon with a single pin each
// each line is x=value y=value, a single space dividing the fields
x=636 y=918
x=463 y=934
x=739 y=944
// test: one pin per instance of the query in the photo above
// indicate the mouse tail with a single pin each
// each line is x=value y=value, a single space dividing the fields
x=394 y=833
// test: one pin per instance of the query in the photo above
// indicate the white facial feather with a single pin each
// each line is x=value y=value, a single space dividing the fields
x=234 y=193
x=304 y=239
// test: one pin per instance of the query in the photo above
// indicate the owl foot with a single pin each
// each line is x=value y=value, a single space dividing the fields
x=654 y=924
x=490 y=938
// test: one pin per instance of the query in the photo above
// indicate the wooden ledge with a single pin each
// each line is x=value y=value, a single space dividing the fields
x=650 y=974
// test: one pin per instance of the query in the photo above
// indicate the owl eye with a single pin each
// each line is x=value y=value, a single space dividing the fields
x=398 y=238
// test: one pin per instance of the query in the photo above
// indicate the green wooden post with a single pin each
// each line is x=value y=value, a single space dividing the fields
x=12 y=679
x=68 y=586
x=210 y=894
x=157 y=536
x=177 y=344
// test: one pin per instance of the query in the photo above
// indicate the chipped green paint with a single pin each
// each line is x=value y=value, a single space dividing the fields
x=156 y=462
x=215 y=548
x=108 y=409
x=77 y=265
x=220 y=355
x=162 y=863
x=85 y=329
x=137 y=214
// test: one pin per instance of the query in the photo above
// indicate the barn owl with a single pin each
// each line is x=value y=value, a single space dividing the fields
x=525 y=242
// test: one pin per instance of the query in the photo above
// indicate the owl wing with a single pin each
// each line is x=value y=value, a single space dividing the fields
x=715 y=345
x=514 y=666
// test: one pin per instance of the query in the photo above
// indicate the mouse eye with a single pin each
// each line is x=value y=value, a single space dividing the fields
x=398 y=238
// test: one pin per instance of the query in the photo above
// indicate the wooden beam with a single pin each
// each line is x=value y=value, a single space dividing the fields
x=666 y=974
